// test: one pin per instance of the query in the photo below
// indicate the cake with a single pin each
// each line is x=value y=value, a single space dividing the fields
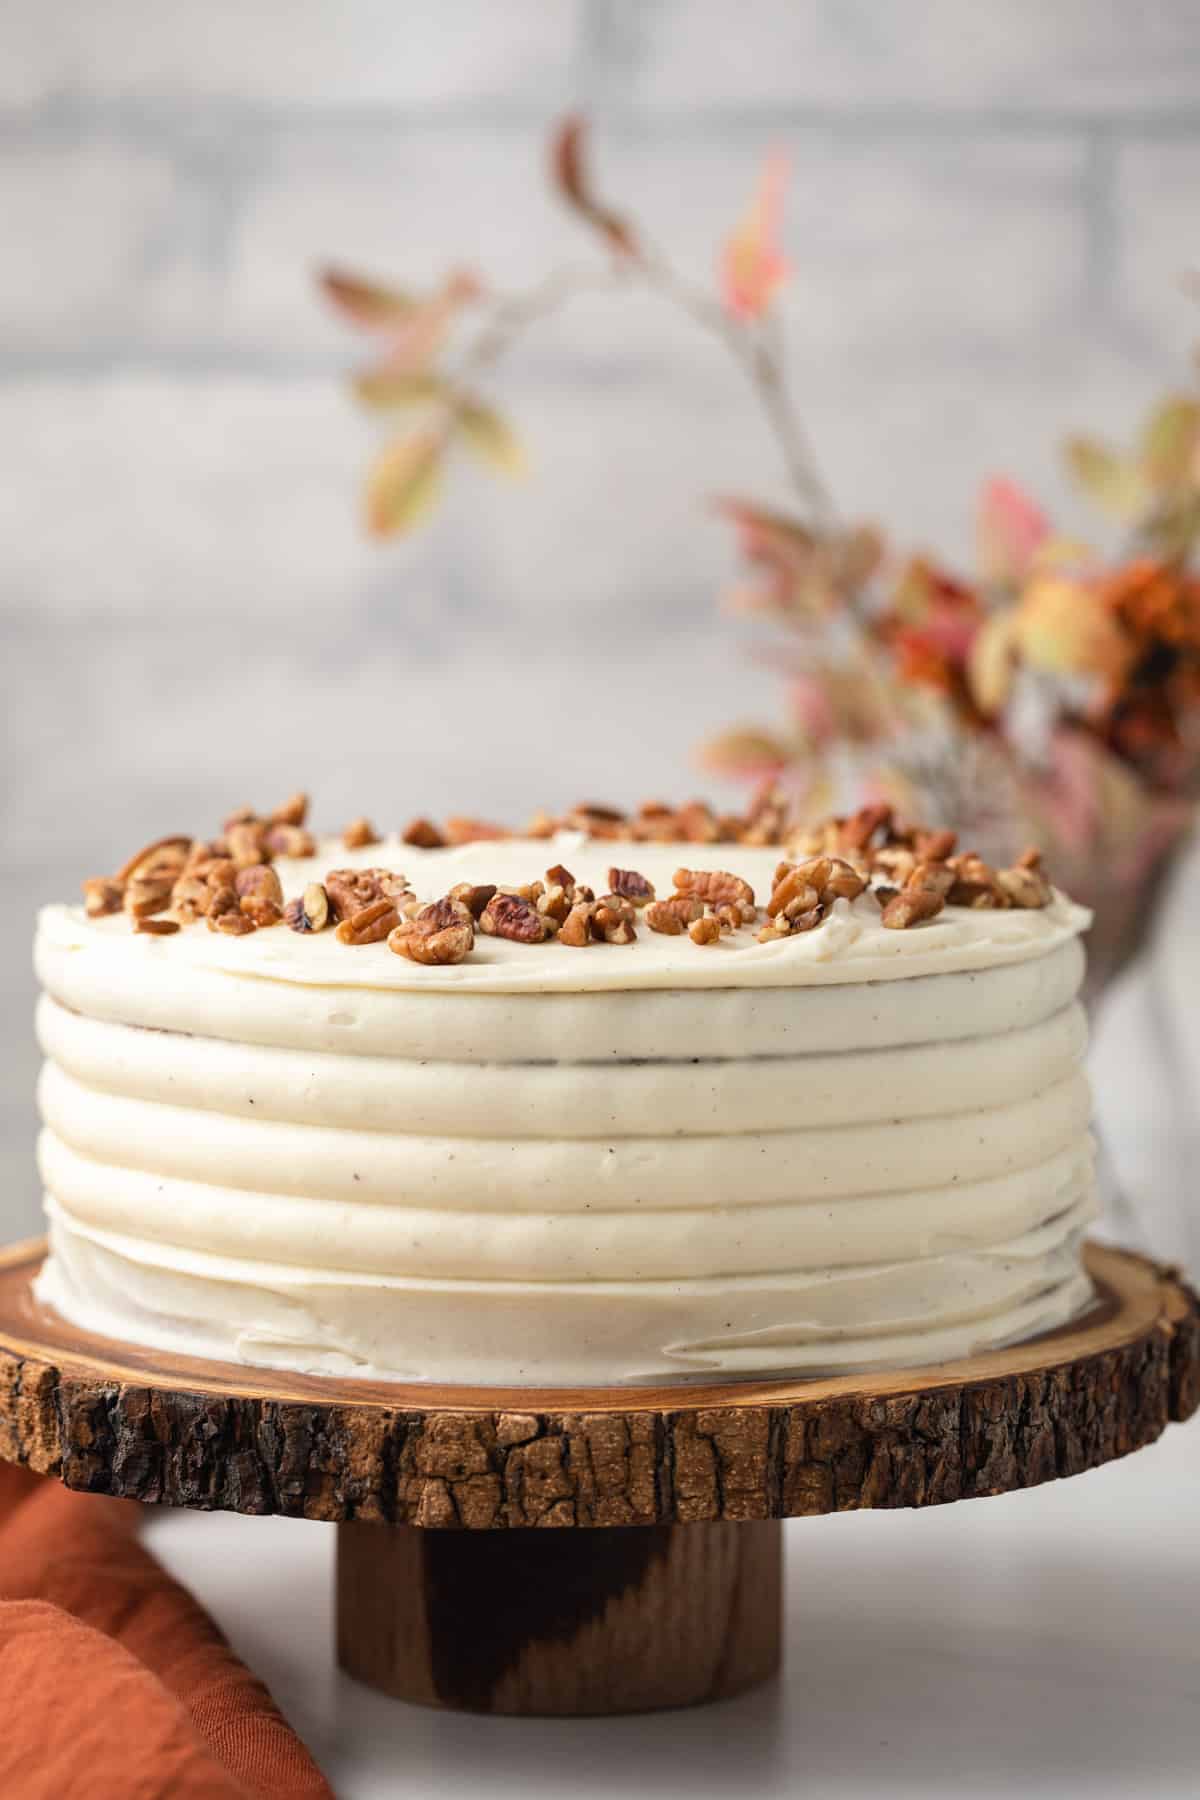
x=683 y=1101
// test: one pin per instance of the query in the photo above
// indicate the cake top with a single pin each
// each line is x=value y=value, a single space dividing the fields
x=661 y=898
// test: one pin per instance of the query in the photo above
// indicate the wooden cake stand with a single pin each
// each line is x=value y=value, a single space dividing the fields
x=663 y=1585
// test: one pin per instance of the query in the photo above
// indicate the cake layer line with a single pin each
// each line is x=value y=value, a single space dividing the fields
x=707 y=1240
x=536 y=1174
x=572 y=1333
x=121 y=978
x=709 y=1095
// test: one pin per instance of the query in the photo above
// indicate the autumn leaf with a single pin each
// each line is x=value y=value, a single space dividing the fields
x=745 y=751
x=1112 y=482
x=1065 y=627
x=367 y=303
x=386 y=389
x=1011 y=528
x=751 y=265
x=991 y=663
x=491 y=437
x=1169 y=442
x=571 y=176
x=405 y=484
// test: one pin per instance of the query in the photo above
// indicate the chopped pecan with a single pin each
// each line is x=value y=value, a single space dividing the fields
x=856 y=832
x=472 y=831
x=631 y=886
x=247 y=841
x=145 y=896
x=259 y=893
x=695 y=823
x=473 y=898
x=784 y=924
x=370 y=924
x=975 y=883
x=233 y=924
x=911 y=906
x=597 y=821
x=191 y=897
x=259 y=880
x=293 y=811
x=540 y=826
x=423 y=834
x=156 y=927
x=510 y=916
x=101 y=894
x=613 y=921
x=800 y=887
x=350 y=890
x=705 y=931
x=576 y=928
x=1025 y=885
x=311 y=911
x=441 y=913
x=934 y=846
x=713 y=885
x=289 y=840
x=437 y=946
x=674 y=914
x=164 y=847
x=359 y=833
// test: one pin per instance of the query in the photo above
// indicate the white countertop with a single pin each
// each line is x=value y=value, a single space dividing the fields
x=1043 y=1643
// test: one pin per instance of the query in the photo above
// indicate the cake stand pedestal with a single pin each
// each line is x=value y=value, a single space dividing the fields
x=597 y=1550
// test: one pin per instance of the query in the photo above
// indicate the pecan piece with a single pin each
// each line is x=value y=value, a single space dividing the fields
x=145 y=896
x=156 y=927
x=359 y=833
x=439 y=946
x=856 y=832
x=247 y=842
x=511 y=916
x=1024 y=884
x=631 y=886
x=101 y=894
x=133 y=865
x=674 y=915
x=260 y=894
x=695 y=824
x=311 y=911
x=289 y=840
x=613 y=923
x=293 y=811
x=370 y=924
x=472 y=831
x=713 y=885
x=423 y=834
x=935 y=846
x=350 y=890
x=473 y=898
x=191 y=897
x=441 y=913
x=975 y=883
x=576 y=928
x=911 y=906
x=705 y=931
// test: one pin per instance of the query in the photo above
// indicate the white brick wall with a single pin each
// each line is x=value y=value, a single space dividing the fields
x=990 y=208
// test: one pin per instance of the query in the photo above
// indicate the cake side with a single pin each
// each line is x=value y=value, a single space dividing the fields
x=552 y=1166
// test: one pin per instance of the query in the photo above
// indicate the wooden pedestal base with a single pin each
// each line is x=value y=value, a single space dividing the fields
x=598 y=1550
x=612 y=1620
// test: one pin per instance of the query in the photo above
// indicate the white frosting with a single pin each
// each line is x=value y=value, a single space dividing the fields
x=849 y=1148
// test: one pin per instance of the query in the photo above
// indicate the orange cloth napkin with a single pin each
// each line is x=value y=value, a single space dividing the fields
x=114 y=1682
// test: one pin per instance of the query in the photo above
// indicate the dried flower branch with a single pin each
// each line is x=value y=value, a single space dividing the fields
x=418 y=371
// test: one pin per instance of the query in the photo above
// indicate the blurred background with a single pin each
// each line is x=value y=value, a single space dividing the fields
x=989 y=215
